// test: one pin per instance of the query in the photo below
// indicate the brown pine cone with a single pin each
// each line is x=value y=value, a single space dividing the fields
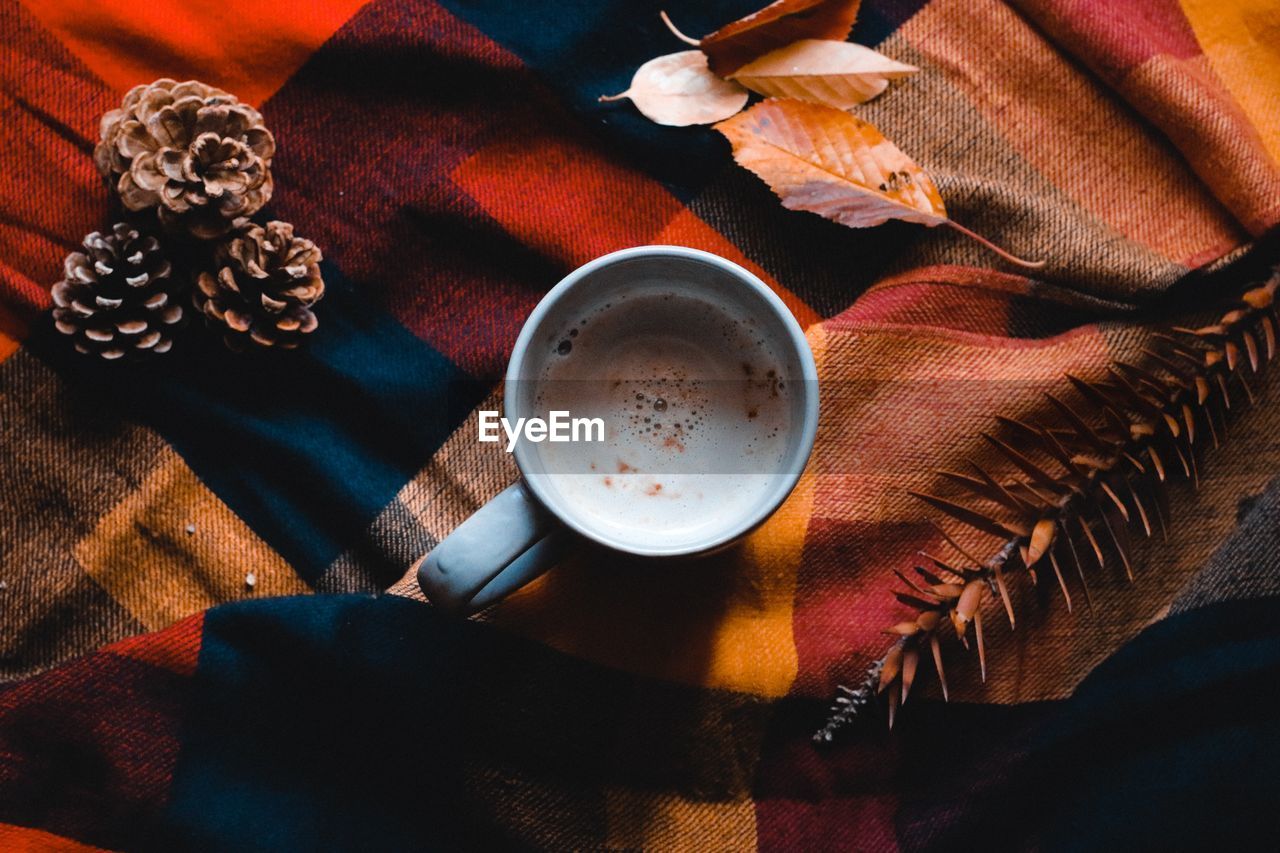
x=263 y=286
x=194 y=153
x=119 y=296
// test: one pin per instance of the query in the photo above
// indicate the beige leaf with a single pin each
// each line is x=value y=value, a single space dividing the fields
x=835 y=73
x=826 y=161
x=679 y=90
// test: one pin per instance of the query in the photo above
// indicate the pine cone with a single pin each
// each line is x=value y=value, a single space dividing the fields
x=119 y=296
x=193 y=152
x=264 y=284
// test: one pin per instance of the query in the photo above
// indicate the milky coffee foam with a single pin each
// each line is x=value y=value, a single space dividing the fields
x=696 y=409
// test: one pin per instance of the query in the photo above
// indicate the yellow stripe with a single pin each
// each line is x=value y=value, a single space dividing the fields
x=1241 y=39
x=172 y=548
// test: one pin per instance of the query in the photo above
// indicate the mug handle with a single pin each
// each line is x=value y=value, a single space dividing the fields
x=507 y=542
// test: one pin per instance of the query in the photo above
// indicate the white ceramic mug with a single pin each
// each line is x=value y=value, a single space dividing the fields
x=523 y=530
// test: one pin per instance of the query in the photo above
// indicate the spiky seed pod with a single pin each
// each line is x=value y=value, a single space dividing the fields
x=119 y=296
x=263 y=287
x=194 y=153
x=1078 y=483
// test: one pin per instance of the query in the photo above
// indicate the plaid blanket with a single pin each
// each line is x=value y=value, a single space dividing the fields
x=451 y=159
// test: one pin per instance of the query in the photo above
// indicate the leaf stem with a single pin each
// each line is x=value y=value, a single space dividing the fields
x=1013 y=259
x=675 y=32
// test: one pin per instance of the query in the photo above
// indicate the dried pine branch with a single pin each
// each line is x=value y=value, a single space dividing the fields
x=1082 y=483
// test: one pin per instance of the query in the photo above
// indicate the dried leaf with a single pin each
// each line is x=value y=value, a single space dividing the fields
x=1233 y=355
x=1041 y=540
x=929 y=577
x=947 y=591
x=982 y=646
x=1031 y=469
x=1109 y=492
x=678 y=90
x=1248 y=391
x=928 y=620
x=1004 y=597
x=913 y=601
x=937 y=664
x=825 y=161
x=987 y=488
x=1119 y=545
x=1075 y=558
x=909 y=582
x=1062 y=582
x=775 y=26
x=941 y=564
x=1093 y=542
x=1251 y=346
x=910 y=660
x=1202 y=394
x=952 y=542
x=836 y=73
x=972 y=518
x=892 y=666
x=1079 y=424
x=1142 y=512
x=970 y=598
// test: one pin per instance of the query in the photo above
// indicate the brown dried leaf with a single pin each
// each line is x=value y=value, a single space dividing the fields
x=972 y=518
x=1119 y=545
x=1142 y=512
x=1093 y=542
x=1004 y=597
x=970 y=598
x=1041 y=540
x=986 y=487
x=1154 y=455
x=678 y=90
x=910 y=660
x=982 y=646
x=822 y=160
x=1109 y=492
x=914 y=601
x=947 y=591
x=1251 y=346
x=950 y=540
x=1081 y=427
x=892 y=666
x=1031 y=469
x=1062 y=582
x=1075 y=558
x=937 y=664
x=775 y=26
x=836 y=73
x=1233 y=355
x=928 y=576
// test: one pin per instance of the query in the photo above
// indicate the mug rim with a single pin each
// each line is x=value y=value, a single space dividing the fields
x=795 y=335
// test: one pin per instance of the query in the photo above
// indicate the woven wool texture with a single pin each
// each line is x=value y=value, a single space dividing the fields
x=451 y=161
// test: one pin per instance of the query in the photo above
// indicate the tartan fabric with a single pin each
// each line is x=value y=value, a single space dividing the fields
x=452 y=161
